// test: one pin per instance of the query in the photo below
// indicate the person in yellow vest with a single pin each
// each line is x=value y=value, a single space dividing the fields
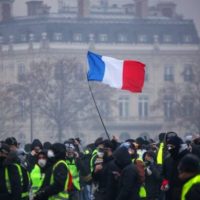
x=38 y=172
x=71 y=158
x=19 y=155
x=137 y=159
x=60 y=179
x=152 y=176
x=189 y=173
x=10 y=178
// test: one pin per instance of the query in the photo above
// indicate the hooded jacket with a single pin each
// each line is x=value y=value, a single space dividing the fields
x=129 y=183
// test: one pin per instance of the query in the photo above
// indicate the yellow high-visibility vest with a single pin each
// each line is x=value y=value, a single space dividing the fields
x=160 y=154
x=37 y=178
x=64 y=195
x=187 y=186
x=75 y=174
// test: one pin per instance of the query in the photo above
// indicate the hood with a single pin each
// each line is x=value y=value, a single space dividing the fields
x=59 y=151
x=36 y=143
x=122 y=157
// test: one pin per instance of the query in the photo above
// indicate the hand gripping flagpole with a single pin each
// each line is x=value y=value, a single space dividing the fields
x=98 y=110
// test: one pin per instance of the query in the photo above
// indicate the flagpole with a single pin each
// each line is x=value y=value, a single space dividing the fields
x=98 y=110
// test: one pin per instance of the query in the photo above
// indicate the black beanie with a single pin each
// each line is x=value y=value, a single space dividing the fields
x=189 y=163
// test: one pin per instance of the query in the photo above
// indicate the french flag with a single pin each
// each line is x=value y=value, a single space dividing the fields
x=122 y=74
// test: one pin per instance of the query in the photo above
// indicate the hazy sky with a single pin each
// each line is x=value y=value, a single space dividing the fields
x=190 y=9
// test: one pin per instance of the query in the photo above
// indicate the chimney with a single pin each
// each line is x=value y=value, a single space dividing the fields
x=34 y=7
x=6 y=10
x=141 y=8
x=167 y=9
x=83 y=8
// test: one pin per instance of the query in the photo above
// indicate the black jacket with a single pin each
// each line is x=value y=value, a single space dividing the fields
x=153 y=181
x=193 y=193
x=15 y=182
x=170 y=172
x=129 y=183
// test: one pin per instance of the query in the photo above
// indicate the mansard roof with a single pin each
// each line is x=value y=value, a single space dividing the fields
x=128 y=30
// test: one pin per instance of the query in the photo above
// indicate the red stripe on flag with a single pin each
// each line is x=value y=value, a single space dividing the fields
x=133 y=76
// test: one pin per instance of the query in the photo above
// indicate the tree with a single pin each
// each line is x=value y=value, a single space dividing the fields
x=8 y=112
x=59 y=93
x=181 y=101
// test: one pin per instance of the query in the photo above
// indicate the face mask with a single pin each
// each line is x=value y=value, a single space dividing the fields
x=173 y=152
x=100 y=154
x=42 y=162
x=50 y=154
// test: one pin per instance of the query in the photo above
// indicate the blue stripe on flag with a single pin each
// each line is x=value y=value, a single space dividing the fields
x=96 y=67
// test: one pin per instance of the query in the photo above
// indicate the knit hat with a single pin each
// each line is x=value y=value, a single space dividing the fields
x=11 y=141
x=189 y=163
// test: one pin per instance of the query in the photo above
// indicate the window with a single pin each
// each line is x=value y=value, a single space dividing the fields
x=122 y=38
x=188 y=106
x=169 y=73
x=22 y=107
x=21 y=72
x=1 y=39
x=103 y=37
x=23 y=38
x=188 y=73
x=143 y=107
x=11 y=38
x=146 y=78
x=104 y=108
x=167 y=38
x=187 y=38
x=31 y=37
x=168 y=108
x=142 y=38
x=77 y=37
x=124 y=107
x=58 y=36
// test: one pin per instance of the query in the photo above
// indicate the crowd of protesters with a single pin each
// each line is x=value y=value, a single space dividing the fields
x=135 y=169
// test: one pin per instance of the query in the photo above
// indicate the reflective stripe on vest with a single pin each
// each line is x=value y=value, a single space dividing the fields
x=160 y=154
x=24 y=194
x=94 y=153
x=74 y=172
x=64 y=194
x=7 y=180
x=36 y=178
x=187 y=186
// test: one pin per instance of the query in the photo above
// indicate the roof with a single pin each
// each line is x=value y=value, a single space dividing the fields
x=130 y=30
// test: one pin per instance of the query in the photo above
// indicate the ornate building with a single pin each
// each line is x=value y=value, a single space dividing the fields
x=156 y=35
